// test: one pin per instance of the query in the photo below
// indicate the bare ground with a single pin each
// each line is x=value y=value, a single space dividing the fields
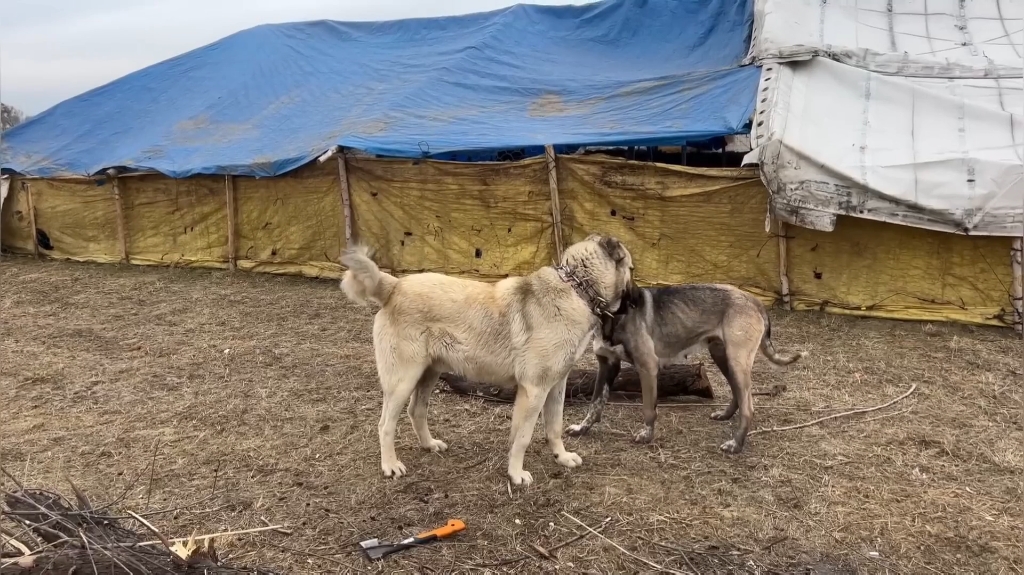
x=247 y=397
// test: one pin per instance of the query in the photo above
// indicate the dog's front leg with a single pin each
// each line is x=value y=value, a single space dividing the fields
x=553 y=406
x=607 y=371
x=529 y=399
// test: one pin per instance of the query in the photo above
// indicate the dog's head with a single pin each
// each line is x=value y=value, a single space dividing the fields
x=604 y=261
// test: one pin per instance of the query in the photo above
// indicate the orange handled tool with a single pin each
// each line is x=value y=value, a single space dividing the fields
x=451 y=528
x=376 y=549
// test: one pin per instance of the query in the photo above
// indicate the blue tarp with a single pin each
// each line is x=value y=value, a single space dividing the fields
x=272 y=98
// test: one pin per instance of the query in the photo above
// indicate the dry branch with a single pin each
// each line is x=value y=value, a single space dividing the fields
x=673 y=381
x=617 y=546
x=837 y=415
x=550 y=550
x=83 y=540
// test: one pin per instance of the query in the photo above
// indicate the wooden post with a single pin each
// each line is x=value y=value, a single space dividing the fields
x=229 y=191
x=784 y=266
x=346 y=200
x=32 y=218
x=122 y=235
x=1017 y=290
x=556 y=208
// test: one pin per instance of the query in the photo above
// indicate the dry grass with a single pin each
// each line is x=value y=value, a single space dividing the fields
x=176 y=385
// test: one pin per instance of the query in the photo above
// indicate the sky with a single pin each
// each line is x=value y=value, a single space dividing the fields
x=51 y=50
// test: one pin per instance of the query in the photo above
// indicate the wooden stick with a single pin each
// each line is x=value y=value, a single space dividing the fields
x=616 y=545
x=827 y=417
x=1017 y=290
x=32 y=218
x=229 y=190
x=784 y=267
x=163 y=538
x=10 y=540
x=556 y=209
x=346 y=200
x=122 y=236
x=210 y=536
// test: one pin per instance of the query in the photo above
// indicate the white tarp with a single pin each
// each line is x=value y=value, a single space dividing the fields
x=903 y=111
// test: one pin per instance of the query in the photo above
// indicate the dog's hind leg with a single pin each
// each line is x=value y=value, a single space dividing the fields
x=717 y=350
x=553 y=406
x=398 y=384
x=529 y=399
x=418 y=411
x=740 y=365
x=607 y=372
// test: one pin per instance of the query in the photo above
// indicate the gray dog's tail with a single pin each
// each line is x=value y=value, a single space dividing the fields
x=768 y=348
x=363 y=281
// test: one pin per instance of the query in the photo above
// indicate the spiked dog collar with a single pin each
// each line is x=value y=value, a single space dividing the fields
x=598 y=305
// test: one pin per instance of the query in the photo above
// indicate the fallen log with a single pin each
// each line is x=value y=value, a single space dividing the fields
x=673 y=381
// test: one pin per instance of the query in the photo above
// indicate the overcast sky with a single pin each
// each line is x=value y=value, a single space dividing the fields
x=51 y=50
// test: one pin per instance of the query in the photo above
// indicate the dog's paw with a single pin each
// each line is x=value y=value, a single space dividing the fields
x=394 y=468
x=721 y=415
x=577 y=430
x=436 y=446
x=521 y=477
x=569 y=459
x=731 y=446
x=645 y=435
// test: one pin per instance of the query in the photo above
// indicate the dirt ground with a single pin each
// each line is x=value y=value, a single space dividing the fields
x=244 y=397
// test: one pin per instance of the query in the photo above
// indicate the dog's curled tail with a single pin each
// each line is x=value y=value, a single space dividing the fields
x=773 y=355
x=363 y=282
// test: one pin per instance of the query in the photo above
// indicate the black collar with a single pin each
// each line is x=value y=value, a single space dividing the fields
x=598 y=305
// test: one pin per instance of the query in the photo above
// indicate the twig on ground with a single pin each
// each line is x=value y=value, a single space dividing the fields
x=216 y=476
x=163 y=539
x=83 y=502
x=91 y=560
x=616 y=545
x=282 y=530
x=11 y=477
x=883 y=416
x=121 y=497
x=211 y=535
x=565 y=543
x=542 y=551
x=152 y=468
x=13 y=542
x=836 y=415
x=103 y=517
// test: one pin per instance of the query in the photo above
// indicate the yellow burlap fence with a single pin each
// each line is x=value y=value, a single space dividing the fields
x=491 y=220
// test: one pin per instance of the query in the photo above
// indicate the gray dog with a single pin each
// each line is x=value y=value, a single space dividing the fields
x=657 y=327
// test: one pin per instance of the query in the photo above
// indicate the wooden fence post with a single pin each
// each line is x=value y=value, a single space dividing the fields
x=556 y=209
x=345 y=239
x=122 y=235
x=32 y=218
x=787 y=304
x=346 y=199
x=1017 y=291
x=229 y=191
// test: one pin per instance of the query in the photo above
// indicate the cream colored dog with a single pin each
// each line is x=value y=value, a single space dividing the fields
x=521 y=331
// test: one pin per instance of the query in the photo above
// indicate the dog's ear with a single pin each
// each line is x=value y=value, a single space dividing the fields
x=613 y=247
